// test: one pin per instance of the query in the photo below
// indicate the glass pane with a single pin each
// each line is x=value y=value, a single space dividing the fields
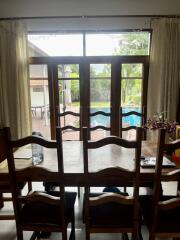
x=124 y=43
x=68 y=71
x=132 y=70
x=69 y=95
x=131 y=97
x=55 y=45
x=100 y=70
x=131 y=92
x=132 y=120
x=100 y=92
x=69 y=100
x=39 y=92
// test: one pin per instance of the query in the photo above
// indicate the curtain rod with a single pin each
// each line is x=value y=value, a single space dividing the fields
x=91 y=16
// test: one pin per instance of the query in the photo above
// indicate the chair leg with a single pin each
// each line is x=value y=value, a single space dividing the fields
x=79 y=192
x=1 y=201
x=125 y=236
x=64 y=234
x=35 y=235
x=19 y=234
x=87 y=234
x=140 y=237
x=72 y=234
x=151 y=236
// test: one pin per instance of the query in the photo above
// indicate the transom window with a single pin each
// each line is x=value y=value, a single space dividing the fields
x=90 y=44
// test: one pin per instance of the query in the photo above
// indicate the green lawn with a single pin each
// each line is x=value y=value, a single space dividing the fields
x=93 y=104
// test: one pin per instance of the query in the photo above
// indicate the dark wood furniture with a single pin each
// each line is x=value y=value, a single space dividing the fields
x=39 y=211
x=73 y=162
x=112 y=212
x=130 y=113
x=70 y=127
x=5 y=186
x=162 y=213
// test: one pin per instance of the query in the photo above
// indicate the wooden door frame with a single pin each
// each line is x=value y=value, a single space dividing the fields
x=84 y=78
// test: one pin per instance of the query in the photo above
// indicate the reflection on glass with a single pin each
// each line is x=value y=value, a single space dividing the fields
x=100 y=96
x=39 y=93
x=68 y=71
x=55 y=45
x=69 y=95
x=132 y=70
x=124 y=43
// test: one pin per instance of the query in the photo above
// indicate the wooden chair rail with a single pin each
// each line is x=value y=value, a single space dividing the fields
x=128 y=128
x=114 y=172
x=110 y=197
x=68 y=113
x=112 y=140
x=169 y=204
x=34 y=139
x=171 y=176
x=69 y=127
x=100 y=127
x=36 y=173
x=100 y=113
x=39 y=197
x=131 y=113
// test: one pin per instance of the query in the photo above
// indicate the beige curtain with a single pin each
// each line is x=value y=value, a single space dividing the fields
x=164 y=82
x=14 y=82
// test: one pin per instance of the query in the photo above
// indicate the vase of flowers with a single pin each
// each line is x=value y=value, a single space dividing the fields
x=160 y=122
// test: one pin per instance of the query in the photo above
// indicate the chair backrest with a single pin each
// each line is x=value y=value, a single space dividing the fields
x=69 y=127
x=158 y=205
x=5 y=186
x=99 y=126
x=3 y=143
x=131 y=113
x=113 y=176
x=36 y=174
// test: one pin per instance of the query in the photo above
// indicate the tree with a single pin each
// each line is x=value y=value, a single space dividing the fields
x=133 y=44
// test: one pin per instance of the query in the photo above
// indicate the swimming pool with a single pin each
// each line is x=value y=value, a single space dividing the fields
x=105 y=121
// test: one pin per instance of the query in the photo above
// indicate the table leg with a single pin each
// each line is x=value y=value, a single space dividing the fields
x=1 y=201
x=178 y=188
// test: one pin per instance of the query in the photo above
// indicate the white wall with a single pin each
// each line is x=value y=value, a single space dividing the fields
x=32 y=8
x=87 y=7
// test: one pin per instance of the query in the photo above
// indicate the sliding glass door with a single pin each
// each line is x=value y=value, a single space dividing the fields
x=85 y=85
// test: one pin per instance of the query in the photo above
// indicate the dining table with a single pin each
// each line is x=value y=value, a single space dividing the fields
x=107 y=156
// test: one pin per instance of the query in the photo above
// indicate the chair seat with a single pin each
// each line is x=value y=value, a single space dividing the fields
x=37 y=213
x=167 y=222
x=110 y=214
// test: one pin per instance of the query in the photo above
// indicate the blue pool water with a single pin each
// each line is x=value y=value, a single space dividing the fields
x=105 y=121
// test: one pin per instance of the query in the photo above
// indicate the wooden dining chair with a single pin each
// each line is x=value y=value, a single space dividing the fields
x=131 y=127
x=69 y=128
x=5 y=186
x=39 y=211
x=112 y=212
x=161 y=212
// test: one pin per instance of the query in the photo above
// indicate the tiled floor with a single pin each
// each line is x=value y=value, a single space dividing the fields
x=8 y=229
